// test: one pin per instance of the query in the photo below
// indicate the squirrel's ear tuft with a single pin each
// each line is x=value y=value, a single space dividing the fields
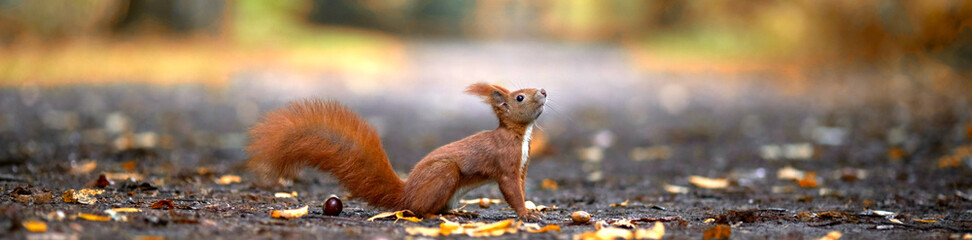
x=493 y=94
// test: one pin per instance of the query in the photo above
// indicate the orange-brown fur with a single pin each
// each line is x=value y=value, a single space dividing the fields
x=330 y=137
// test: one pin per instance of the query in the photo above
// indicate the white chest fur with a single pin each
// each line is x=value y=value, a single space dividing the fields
x=525 y=148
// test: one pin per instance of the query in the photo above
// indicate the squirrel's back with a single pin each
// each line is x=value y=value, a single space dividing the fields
x=330 y=137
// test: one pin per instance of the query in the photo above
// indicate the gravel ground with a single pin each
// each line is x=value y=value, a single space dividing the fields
x=891 y=160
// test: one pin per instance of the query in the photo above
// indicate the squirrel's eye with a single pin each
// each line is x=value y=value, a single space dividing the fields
x=519 y=98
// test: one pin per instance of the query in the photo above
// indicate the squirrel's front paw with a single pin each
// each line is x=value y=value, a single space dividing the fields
x=531 y=216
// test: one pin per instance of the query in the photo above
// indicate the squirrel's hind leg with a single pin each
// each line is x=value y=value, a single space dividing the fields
x=429 y=190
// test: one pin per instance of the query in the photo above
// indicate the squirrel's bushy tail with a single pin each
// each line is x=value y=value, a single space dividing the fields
x=330 y=137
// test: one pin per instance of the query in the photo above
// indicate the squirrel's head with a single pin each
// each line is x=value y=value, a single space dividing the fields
x=520 y=107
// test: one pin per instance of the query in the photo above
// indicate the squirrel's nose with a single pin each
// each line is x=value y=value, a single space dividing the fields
x=544 y=92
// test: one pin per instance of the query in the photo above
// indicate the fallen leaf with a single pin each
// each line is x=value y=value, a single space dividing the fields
x=35 y=226
x=229 y=179
x=535 y=228
x=163 y=203
x=403 y=214
x=284 y=195
x=82 y=168
x=809 y=180
x=448 y=227
x=894 y=220
x=676 y=189
x=833 y=235
x=124 y=176
x=92 y=217
x=126 y=209
x=711 y=183
x=85 y=196
x=424 y=231
x=68 y=196
x=128 y=166
x=101 y=182
x=289 y=213
x=925 y=220
x=549 y=184
x=623 y=204
x=656 y=232
x=789 y=173
x=721 y=231
x=613 y=233
x=624 y=223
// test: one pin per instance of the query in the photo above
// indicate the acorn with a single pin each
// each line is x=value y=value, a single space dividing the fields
x=580 y=217
x=333 y=206
x=484 y=202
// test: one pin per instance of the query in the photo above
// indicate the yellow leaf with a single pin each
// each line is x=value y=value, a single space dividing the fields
x=548 y=184
x=833 y=235
x=613 y=233
x=501 y=225
x=656 y=232
x=401 y=215
x=925 y=220
x=398 y=215
x=126 y=210
x=544 y=229
x=424 y=231
x=711 y=183
x=92 y=217
x=448 y=227
x=624 y=204
x=289 y=213
x=229 y=179
x=382 y=215
x=35 y=226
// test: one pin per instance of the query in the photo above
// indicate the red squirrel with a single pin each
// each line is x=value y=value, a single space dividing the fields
x=330 y=137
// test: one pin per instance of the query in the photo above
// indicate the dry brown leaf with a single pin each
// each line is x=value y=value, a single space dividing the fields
x=623 y=204
x=163 y=203
x=809 y=180
x=289 y=213
x=676 y=189
x=229 y=179
x=549 y=184
x=83 y=168
x=711 y=183
x=721 y=231
x=35 y=226
x=833 y=235
x=68 y=196
x=92 y=217
x=85 y=196
x=656 y=232
x=128 y=166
